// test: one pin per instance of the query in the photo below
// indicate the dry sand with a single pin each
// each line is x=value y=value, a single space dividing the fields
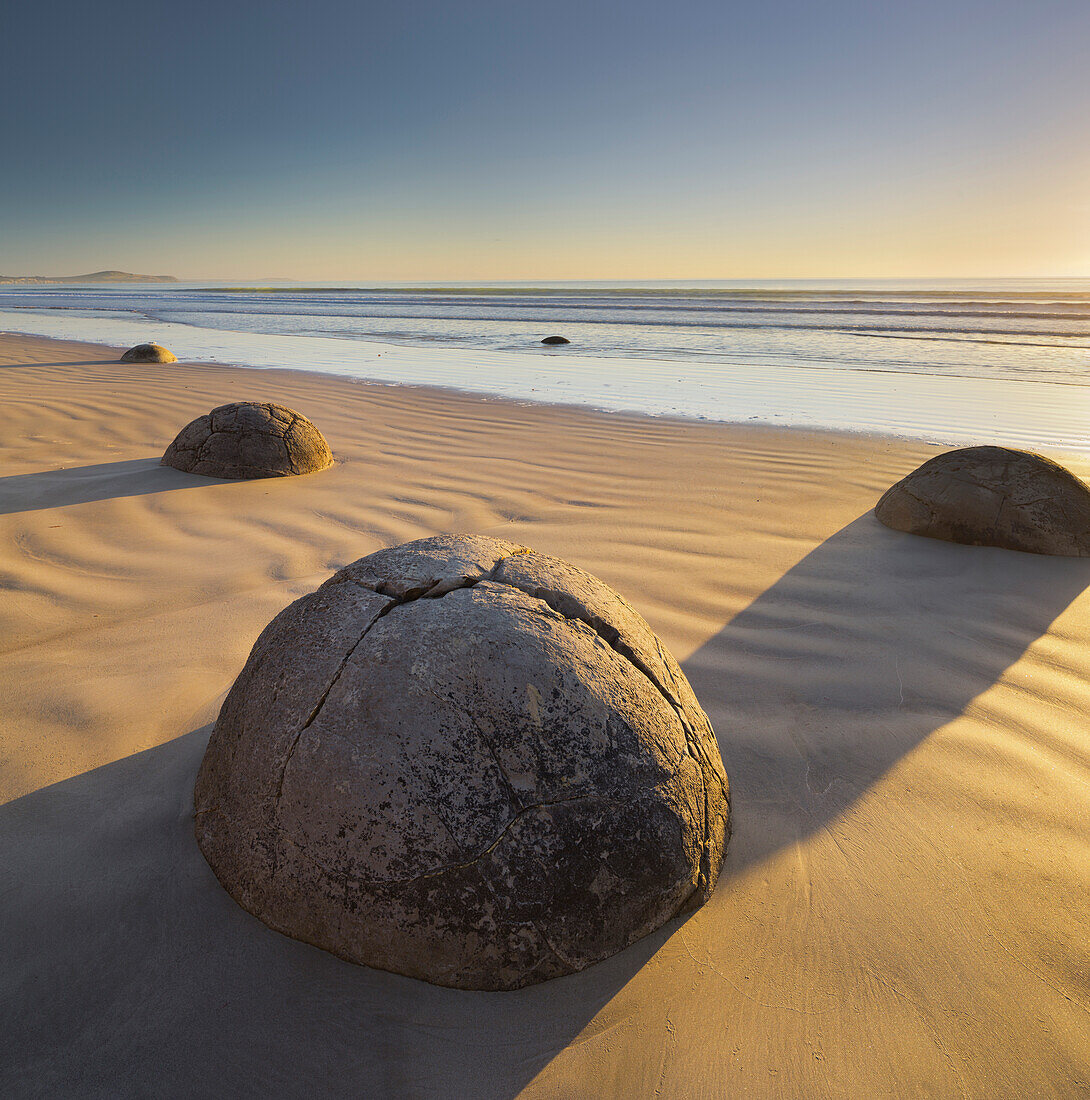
x=905 y=907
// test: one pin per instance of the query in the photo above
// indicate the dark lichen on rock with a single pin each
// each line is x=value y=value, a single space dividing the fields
x=465 y=762
x=249 y=439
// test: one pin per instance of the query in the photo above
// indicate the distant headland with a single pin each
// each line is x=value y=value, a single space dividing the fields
x=94 y=277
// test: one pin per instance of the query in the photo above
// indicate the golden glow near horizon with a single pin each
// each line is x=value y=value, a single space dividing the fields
x=1022 y=228
x=1034 y=239
x=1037 y=239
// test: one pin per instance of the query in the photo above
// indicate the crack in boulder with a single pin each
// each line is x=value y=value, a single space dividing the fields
x=612 y=637
x=434 y=591
x=608 y=634
x=247 y=439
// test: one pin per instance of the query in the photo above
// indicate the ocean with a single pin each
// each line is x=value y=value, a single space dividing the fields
x=954 y=361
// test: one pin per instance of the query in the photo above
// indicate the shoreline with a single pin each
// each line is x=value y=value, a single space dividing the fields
x=425 y=390
x=950 y=411
x=902 y=720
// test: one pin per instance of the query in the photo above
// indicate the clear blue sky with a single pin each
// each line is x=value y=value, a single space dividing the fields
x=475 y=140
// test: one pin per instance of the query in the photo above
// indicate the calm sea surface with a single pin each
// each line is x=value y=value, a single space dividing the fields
x=800 y=352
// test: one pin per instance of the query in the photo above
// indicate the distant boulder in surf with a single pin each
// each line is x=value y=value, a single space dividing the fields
x=149 y=353
x=249 y=440
x=993 y=496
x=556 y=340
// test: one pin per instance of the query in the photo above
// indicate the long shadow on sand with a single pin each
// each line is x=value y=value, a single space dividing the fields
x=852 y=658
x=130 y=972
x=83 y=484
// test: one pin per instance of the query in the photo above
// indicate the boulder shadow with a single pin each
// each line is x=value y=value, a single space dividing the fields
x=84 y=484
x=129 y=971
x=855 y=656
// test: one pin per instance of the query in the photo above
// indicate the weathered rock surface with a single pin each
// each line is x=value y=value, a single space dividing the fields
x=246 y=439
x=149 y=353
x=466 y=762
x=556 y=340
x=993 y=496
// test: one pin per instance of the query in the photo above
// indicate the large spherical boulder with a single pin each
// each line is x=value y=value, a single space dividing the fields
x=993 y=496
x=247 y=439
x=149 y=353
x=466 y=762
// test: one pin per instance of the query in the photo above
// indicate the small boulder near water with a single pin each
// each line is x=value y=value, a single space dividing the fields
x=466 y=762
x=556 y=340
x=249 y=439
x=993 y=496
x=149 y=353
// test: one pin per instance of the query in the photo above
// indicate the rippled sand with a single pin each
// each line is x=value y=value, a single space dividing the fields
x=903 y=910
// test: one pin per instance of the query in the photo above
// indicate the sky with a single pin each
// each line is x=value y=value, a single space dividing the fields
x=468 y=140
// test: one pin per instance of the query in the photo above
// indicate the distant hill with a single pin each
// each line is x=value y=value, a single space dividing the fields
x=94 y=277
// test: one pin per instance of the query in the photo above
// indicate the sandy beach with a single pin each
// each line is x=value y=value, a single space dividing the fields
x=903 y=907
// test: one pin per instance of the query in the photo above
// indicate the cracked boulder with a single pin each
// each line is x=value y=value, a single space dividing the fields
x=466 y=762
x=149 y=353
x=993 y=496
x=247 y=439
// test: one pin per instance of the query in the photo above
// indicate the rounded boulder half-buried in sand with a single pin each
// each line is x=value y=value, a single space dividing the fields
x=466 y=762
x=248 y=439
